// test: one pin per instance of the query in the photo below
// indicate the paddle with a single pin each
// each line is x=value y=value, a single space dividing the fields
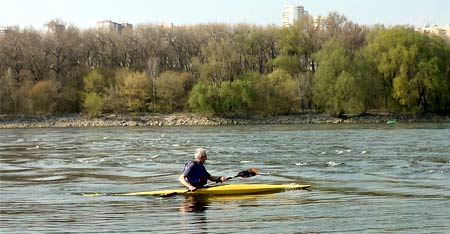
x=243 y=174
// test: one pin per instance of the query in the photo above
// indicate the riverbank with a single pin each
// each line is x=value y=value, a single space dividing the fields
x=79 y=121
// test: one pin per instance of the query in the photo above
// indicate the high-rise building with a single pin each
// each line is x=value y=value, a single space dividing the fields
x=320 y=22
x=292 y=13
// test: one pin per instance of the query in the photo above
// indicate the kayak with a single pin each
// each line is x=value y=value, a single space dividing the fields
x=220 y=190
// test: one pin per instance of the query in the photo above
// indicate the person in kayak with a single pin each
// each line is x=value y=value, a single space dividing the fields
x=195 y=175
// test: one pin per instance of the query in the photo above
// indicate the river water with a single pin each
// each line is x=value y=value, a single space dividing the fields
x=371 y=178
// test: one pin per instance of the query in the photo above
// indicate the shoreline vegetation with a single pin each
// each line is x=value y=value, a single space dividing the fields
x=187 y=119
x=335 y=67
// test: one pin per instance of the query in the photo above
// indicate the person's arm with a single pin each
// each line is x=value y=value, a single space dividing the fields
x=217 y=179
x=183 y=181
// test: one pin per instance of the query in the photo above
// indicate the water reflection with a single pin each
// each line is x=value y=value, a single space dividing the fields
x=192 y=214
x=194 y=204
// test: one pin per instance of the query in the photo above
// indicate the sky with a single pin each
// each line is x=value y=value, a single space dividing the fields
x=85 y=13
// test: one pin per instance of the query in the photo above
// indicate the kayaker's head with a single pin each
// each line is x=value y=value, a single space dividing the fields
x=201 y=155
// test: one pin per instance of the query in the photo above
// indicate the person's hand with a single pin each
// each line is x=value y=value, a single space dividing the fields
x=192 y=188
x=221 y=179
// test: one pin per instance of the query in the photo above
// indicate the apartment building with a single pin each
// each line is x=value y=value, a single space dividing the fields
x=7 y=29
x=3 y=31
x=109 y=25
x=292 y=13
x=320 y=22
x=54 y=26
x=443 y=30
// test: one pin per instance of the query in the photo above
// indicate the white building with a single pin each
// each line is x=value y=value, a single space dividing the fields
x=4 y=30
x=320 y=22
x=443 y=31
x=292 y=13
x=109 y=25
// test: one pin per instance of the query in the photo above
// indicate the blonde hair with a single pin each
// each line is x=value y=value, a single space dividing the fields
x=200 y=152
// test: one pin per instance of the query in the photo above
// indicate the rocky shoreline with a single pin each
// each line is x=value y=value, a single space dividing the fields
x=80 y=121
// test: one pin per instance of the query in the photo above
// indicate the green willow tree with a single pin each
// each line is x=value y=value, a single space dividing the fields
x=333 y=77
x=298 y=43
x=203 y=98
x=279 y=93
x=414 y=68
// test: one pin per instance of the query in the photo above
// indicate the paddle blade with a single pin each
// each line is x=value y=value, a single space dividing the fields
x=248 y=173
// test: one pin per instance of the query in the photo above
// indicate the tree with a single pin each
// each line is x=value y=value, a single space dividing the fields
x=9 y=88
x=62 y=48
x=232 y=97
x=297 y=46
x=12 y=53
x=136 y=91
x=44 y=97
x=414 y=68
x=281 y=93
x=203 y=98
x=333 y=63
x=35 y=60
x=95 y=82
x=172 y=90
x=222 y=62
x=93 y=104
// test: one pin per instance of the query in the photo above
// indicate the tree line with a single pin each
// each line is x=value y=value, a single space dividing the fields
x=336 y=67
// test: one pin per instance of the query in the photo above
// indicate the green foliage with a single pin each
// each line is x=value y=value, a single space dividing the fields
x=232 y=97
x=93 y=104
x=114 y=98
x=95 y=81
x=414 y=68
x=114 y=101
x=288 y=63
x=70 y=100
x=172 y=90
x=222 y=62
x=279 y=93
x=44 y=97
x=136 y=90
x=345 y=81
x=367 y=89
x=202 y=98
x=338 y=67
x=275 y=94
x=333 y=63
x=8 y=94
x=297 y=44
x=347 y=97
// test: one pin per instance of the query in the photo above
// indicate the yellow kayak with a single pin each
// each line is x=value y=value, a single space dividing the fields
x=226 y=189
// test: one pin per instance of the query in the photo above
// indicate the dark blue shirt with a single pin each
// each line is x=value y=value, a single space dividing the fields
x=196 y=174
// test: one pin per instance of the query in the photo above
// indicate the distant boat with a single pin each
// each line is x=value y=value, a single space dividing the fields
x=391 y=121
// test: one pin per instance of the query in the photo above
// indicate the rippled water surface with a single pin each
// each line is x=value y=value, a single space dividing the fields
x=365 y=179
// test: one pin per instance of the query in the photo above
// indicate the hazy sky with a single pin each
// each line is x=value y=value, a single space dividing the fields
x=85 y=13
